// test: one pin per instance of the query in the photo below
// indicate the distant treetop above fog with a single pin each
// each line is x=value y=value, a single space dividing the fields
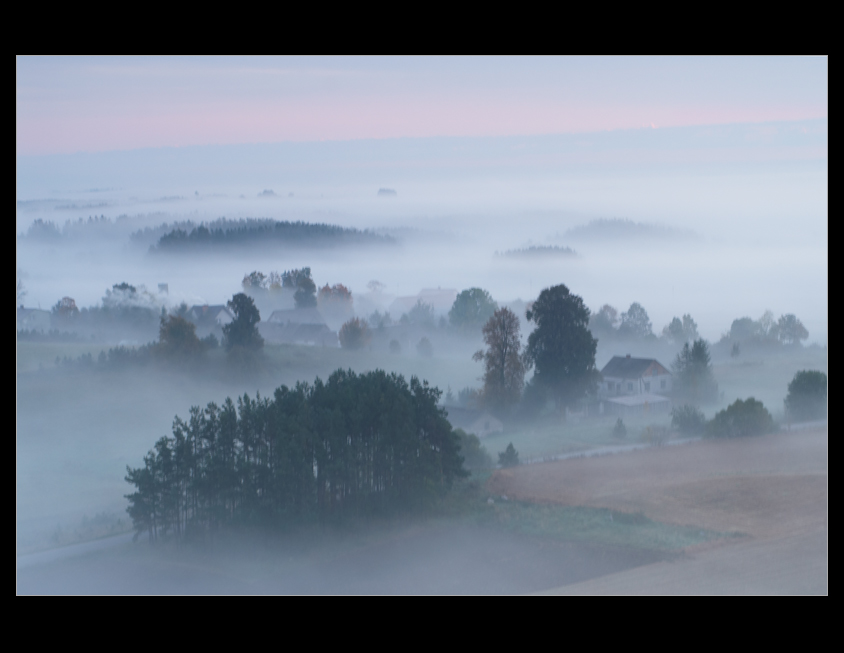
x=618 y=229
x=539 y=251
x=223 y=233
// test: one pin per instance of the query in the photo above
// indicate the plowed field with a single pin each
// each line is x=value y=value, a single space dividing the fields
x=772 y=489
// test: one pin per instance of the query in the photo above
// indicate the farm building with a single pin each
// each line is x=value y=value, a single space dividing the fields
x=210 y=316
x=634 y=385
x=304 y=326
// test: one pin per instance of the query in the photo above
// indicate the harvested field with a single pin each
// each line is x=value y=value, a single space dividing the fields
x=773 y=489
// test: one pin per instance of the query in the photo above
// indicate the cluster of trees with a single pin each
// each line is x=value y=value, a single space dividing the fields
x=635 y=324
x=807 y=396
x=539 y=251
x=335 y=302
x=741 y=418
x=228 y=233
x=125 y=309
x=179 y=345
x=694 y=380
x=47 y=230
x=606 y=322
x=298 y=282
x=561 y=350
x=765 y=332
x=626 y=230
x=355 y=445
x=471 y=310
x=806 y=400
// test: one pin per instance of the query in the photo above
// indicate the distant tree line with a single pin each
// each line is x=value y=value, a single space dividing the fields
x=539 y=251
x=609 y=229
x=49 y=231
x=353 y=446
x=765 y=333
x=226 y=233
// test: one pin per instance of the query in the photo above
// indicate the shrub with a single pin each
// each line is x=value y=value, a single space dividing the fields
x=619 y=430
x=475 y=456
x=354 y=334
x=807 y=396
x=656 y=435
x=509 y=457
x=741 y=418
x=688 y=420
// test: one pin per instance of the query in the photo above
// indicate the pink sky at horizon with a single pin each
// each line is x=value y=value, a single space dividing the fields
x=95 y=105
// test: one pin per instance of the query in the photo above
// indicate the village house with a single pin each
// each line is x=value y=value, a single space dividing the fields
x=205 y=315
x=303 y=326
x=32 y=319
x=634 y=385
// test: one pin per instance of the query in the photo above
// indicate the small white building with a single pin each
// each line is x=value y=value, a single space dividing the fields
x=624 y=375
x=634 y=386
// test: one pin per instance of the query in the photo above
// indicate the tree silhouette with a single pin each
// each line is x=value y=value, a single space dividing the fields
x=242 y=331
x=692 y=369
x=807 y=396
x=471 y=309
x=561 y=347
x=354 y=334
x=354 y=445
x=790 y=330
x=504 y=369
x=635 y=322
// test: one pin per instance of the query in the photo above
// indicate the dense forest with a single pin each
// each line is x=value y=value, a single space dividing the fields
x=227 y=233
x=355 y=445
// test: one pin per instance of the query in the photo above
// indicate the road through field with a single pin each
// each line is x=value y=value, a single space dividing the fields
x=771 y=491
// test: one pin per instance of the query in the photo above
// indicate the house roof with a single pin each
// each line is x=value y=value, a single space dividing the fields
x=297 y=316
x=206 y=312
x=625 y=367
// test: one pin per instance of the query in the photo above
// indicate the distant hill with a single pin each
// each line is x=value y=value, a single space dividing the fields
x=615 y=229
x=225 y=234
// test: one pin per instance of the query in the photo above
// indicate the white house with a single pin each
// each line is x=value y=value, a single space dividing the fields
x=634 y=385
x=624 y=375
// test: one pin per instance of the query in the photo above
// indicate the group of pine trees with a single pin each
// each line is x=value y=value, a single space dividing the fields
x=227 y=233
x=352 y=446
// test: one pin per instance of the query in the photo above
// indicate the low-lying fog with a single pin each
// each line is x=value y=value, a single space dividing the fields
x=727 y=222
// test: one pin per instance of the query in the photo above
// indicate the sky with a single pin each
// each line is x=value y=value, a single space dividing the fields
x=492 y=152
x=100 y=104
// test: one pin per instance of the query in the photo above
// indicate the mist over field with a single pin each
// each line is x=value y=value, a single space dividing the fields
x=716 y=219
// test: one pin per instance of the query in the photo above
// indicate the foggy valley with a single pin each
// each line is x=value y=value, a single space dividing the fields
x=583 y=360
